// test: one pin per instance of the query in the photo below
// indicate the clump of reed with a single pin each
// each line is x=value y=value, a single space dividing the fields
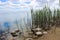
x=45 y=18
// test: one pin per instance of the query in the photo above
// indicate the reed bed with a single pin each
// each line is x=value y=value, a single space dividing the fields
x=45 y=18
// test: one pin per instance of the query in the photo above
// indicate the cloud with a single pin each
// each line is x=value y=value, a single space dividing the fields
x=55 y=4
x=28 y=3
x=15 y=1
x=42 y=1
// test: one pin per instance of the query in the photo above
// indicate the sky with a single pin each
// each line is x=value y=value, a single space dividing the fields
x=12 y=9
